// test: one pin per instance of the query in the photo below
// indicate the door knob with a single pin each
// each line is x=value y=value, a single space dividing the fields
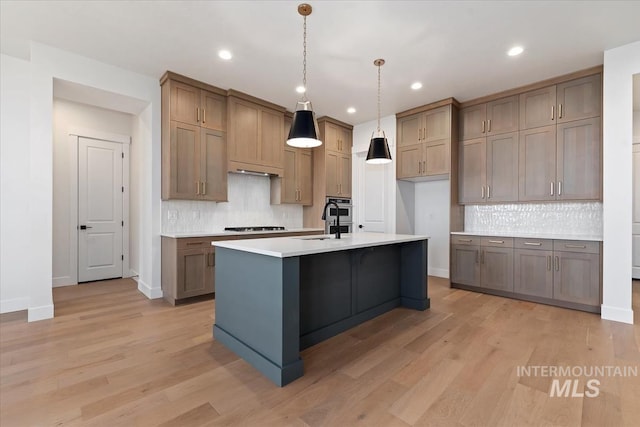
x=361 y=226
x=84 y=227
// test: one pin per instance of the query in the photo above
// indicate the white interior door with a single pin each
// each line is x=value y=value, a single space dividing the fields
x=100 y=197
x=371 y=196
x=635 y=272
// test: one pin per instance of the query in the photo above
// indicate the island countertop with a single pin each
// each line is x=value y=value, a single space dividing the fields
x=284 y=247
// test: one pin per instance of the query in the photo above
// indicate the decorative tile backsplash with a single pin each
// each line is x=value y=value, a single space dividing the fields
x=554 y=218
x=249 y=205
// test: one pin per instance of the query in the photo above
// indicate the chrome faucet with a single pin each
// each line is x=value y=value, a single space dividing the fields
x=324 y=216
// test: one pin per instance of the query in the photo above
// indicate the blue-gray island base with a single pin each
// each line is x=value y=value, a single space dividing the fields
x=268 y=308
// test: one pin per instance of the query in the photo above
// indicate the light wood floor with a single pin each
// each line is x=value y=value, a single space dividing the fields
x=111 y=357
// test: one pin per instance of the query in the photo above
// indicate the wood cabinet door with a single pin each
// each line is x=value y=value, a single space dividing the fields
x=409 y=130
x=533 y=272
x=213 y=165
x=496 y=268
x=184 y=173
x=332 y=173
x=538 y=108
x=579 y=160
x=473 y=122
x=345 y=140
x=344 y=175
x=502 y=115
x=289 y=182
x=191 y=273
x=502 y=168
x=304 y=175
x=580 y=99
x=465 y=265
x=271 y=138
x=577 y=277
x=437 y=124
x=473 y=170
x=331 y=137
x=214 y=111
x=185 y=103
x=409 y=161
x=537 y=164
x=210 y=272
x=437 y=157
x=243 y=134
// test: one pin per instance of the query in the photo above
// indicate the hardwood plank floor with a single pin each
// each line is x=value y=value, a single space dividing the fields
x=112 y=357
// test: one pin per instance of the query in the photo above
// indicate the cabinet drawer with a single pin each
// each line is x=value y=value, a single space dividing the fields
x=465 y=240
x=194 y=242
x=541 y=244
x=588 y=247
x=497 y=242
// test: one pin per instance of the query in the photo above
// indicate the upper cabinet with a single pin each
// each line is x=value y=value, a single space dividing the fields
x=295 y=186
x=194 y=146
x=424 y=141
x=337 y=138
x=492 y=118
x=255 y=134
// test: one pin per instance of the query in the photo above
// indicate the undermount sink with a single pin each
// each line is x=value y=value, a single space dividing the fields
x=320 y=238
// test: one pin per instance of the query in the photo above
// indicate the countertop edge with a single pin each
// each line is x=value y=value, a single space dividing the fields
x=187 y=234
x=530 y=235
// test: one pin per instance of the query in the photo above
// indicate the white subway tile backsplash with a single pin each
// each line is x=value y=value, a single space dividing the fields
x=249 y=205
x=576 y=218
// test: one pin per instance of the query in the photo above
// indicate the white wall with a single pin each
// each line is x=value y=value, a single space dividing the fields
x=431 y=218
x=620 y=64
x=14 y=180
x=66 y=116
x=249 y=205
x=36 y=225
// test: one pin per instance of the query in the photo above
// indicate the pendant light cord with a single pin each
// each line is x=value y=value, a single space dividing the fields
x=378 y=99
x=304 y=59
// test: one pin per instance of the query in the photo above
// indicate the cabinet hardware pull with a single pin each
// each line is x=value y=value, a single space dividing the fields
x=194 y=243
x=488 y=192
x=559 y=111
x=477 y=255
x=197 y=114
x=204 y=116
x=559 y=188
x=419 y=168
x=552 y=112
x=204 y=187
x=576 y=246
x=548 y=262
x=482 y=192
x=482 y=257
x=533 y=243
x=551 y=194
x=197 y=188
x=489 y=127
x=496 y=241
x=483 y=126
x=424 y=167
x=465 y=240
x=557 y=262
x=419 y=134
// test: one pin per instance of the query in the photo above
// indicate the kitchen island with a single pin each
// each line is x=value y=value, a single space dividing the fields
x=277 y=296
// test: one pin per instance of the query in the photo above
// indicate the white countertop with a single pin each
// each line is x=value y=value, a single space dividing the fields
x=214 y=233
x=531 y=235
x=284 y=247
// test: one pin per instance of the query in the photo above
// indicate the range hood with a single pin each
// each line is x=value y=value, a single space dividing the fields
x=253 y=172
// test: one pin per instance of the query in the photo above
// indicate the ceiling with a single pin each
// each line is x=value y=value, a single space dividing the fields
x=456 y=49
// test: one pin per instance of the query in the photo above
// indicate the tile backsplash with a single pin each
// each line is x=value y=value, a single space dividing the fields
x=249 y=205
x=554 y=218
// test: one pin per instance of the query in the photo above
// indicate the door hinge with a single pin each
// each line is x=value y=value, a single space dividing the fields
x=123 y=223
x=122 y=257
x=123 y=189
x=122 y=155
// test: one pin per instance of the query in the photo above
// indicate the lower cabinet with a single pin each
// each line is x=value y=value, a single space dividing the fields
x=559 y=272
x=189 y=264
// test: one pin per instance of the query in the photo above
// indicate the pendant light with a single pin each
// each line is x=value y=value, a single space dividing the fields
x=304 y=127
x=378 y=147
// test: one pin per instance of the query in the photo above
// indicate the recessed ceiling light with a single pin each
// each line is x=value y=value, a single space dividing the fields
x=301 y=89
x=225 y=54
x=515 y=51
x=351 y=110
x=416 y=86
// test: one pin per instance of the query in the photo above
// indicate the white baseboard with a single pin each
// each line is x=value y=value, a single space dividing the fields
x=148 y=291
x=40 y=313
x=63 y=281
x=132 y=274
x=13 y=304
x=624 y=315
x=438 y=272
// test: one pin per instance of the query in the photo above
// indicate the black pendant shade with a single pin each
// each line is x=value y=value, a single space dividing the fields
x=304 y=130
x=378 y=151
